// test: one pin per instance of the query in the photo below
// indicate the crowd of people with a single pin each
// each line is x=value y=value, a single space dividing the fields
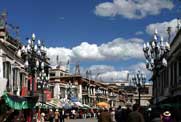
x=59 y=115
x=136 y=114
x=119 y=114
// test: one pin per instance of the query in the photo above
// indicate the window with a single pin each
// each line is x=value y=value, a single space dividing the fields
x=61 y=74
x=6 y=70
x=22 y=80
x=15 y=77
x=7 y=74
x=122 y=84
x=52 y=74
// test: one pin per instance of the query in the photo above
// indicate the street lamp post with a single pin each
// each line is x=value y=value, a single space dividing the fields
x=155 y=53
x=43 y=70
x=69 y=90
x=139 y=80
x=31 y=53
x=35 y=59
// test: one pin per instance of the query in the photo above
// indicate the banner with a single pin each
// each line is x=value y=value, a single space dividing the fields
x=18 y=102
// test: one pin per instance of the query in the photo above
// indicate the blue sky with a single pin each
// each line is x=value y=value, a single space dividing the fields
x=104 y=36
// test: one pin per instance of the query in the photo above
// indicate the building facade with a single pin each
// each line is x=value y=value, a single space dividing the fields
x=169 y=81
x=11 y=66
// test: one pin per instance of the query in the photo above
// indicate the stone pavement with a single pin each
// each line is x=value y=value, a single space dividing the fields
x=81 y=120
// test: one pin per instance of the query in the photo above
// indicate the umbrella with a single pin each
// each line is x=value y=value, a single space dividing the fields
x=103 y=104
x=78 y=104
x=67 y=106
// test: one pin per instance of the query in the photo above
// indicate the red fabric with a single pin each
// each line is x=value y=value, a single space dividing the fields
x=24 y=91
x=35 y=83
x=39 y=115
x=29 y=117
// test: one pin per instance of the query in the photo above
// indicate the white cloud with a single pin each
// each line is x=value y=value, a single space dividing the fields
x=108 y=73
x=122 y=49
x=118 y=49
x=140 y=67
x=114 y=76
x=86 y=51
x=132 y=9
x=162 y=28
x=63 y=54
x=98 y=69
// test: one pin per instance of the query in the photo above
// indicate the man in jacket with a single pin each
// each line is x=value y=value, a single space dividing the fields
x=135 y=116
x=105 y=116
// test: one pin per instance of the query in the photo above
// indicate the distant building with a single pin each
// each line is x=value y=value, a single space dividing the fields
x=87 y=91
x=131 y=93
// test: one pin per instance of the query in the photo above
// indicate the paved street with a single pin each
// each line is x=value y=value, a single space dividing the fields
x=81 y=120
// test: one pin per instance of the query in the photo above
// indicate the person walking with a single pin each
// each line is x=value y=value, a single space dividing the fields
x=119 y=115
x=135 y=115
x=105 y=116
x=42 y=117
x=38 y=115
x=62 y=114
x=112 y=111
x=57 y=114
x=51 y=115
x=167 y=117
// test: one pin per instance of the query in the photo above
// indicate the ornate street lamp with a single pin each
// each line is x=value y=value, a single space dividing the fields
x=155 y=53
x=43 y=70
x=139 y=81
x=33 y=56
x=69 y=90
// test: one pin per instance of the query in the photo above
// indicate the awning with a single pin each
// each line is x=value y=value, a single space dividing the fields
x=55 y=102
x=78 y=104
x=45 y=105
x=18 y=102
x=85 y=106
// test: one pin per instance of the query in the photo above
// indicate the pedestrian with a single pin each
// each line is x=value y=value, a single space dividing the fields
x=105 y=116
x=127 y=111
x=73 y=112
x=57 y=114
x=38 y=115
x=166 y=117
x=119 y=115
x=112 y=111
x=99 y=113
x=51 y=115
x=135 y=115
x=62 y=115
x=42 y=117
